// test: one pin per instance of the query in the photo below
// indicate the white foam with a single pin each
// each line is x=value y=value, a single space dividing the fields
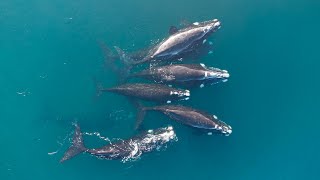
x=196 y=23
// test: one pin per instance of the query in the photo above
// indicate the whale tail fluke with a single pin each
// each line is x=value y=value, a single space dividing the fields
x=141 y=112
x=128 y=63
x=99 y=88
x=77 y=146
x=111 y=61
x=140 y=117
x=110 y=58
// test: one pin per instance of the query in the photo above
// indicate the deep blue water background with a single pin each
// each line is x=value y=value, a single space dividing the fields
x=50 y=50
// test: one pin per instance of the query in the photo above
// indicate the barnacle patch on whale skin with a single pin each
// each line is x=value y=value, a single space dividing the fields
x=187 y=93
x=217 y=24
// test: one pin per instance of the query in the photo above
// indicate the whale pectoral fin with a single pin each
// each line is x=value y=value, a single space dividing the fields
x=173 y=30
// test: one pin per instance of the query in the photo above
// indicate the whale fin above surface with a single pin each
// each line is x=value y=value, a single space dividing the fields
x=77 y=146
x=173 y=30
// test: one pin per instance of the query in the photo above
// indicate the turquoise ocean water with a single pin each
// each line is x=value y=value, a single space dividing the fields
x=49 y=53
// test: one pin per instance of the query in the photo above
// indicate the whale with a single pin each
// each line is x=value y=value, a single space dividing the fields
x=188 y=116
x=180 y=44
x=183 y=74
x=129 y=149
x=148 y=92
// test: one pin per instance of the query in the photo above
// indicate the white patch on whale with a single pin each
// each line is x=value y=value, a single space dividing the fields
x=210 y=52
x=187 y=93
x=204 y=41
x=202 y=85
x=203 y=65
x=214 y=116
x=168 y=102
x=196 y=23
x=209 y=133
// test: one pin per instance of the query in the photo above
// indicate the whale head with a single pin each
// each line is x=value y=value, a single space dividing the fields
x=221 y=127
x=180 y=94
x=210 y=26
x=215 y=75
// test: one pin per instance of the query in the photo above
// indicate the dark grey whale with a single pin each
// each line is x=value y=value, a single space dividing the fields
x=184 y=74
x=188 y=116
x=132 y=148
x=149 y=92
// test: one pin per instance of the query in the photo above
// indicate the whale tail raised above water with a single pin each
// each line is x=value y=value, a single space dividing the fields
x=77 y=146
